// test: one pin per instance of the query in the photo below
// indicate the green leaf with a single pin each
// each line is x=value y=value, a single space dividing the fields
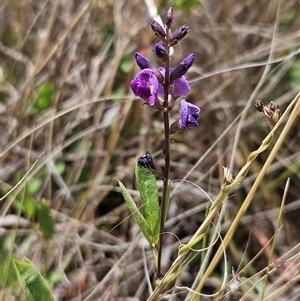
x=149 y=198
x=60 y=167
x=44 y=95
x=32 y=282
x=140 y=220
x=45 y=220
x=33 y=185
x=42 y=99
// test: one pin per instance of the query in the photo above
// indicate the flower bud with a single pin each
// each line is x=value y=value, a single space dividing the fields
x=178 y=34
x=158 y=29
x=272 y=111
x=182 y=68
x=275 y=115
x=141 y=61
x=259 y=105
x=161 y=52
x=169 y=17
x=146 y=161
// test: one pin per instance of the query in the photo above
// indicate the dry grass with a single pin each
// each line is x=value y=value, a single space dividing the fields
x=65 y=73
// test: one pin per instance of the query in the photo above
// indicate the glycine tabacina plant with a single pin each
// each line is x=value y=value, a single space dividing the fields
x=160 y=88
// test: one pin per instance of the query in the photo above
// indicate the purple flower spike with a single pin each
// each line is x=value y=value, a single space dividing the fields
x=189 y=115
x=146 y=85
x=141 y=61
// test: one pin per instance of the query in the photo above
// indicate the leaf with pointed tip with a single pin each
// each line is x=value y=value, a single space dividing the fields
x=33 y=284
x=149 y=198
x=138 y=217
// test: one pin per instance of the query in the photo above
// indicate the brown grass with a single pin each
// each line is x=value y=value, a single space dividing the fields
x=91 y=128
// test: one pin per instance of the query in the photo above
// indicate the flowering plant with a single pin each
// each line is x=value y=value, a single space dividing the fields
x=160 y=88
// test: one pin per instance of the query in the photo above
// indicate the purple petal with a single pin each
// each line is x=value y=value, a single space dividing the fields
x=140 y=89
x=161 y=88
x=146 y=85
x=162 y=71
x=193 y=110
x=192 y=121
x=181 y=87
x=183 y=114
x=189 y=115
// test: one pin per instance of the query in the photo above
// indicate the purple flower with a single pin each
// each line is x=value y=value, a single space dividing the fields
x=180 y=86
x=189 y=115
x=146 y=86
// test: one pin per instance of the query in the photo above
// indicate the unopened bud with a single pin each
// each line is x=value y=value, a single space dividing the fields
x=169 y=17
x=272 y=111
x=275 y=112
x=178 y=34
x=161 y=52
x=141 y=61
x=182 y=68
x=259 y=105
x=146 y=161
x=158 y=29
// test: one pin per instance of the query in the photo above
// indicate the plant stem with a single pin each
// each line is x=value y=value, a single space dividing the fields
x=167 y=166
x=165 y=189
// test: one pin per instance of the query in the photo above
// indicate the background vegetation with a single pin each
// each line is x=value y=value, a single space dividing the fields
x=68 y=116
